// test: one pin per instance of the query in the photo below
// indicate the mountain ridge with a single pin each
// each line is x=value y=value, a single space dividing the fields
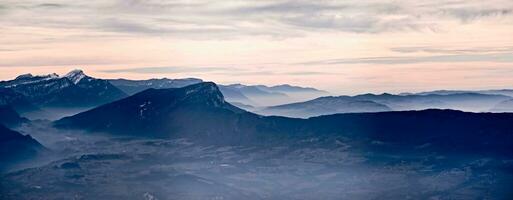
x=470 y=102
x=157 y=111
x=75 y=89
x=205 y=117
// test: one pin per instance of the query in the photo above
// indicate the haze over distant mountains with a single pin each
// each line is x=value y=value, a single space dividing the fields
x=52 y=96
x=250 y=95
x=200 y=113
x=38 y=96
x=470 y=102
x=191 y=141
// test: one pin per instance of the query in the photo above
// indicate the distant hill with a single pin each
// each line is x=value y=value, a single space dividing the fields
x=505 y=92
x=234 y=95
x=261 y=95
x=286 y=88
x=504 y=106
x=324 y=106
x=471 y=102
x=257 y=95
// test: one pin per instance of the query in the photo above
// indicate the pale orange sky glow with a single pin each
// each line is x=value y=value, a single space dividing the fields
x=345 y=47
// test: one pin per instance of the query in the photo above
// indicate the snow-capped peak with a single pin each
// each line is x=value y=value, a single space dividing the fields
x=75 y=76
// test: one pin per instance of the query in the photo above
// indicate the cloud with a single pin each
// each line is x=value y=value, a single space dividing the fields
x=50 y=5
x=38 y=61
x=229 y=71
x=236 y=18
x=171 y=69
x=470 y=14
x=414 y=49
x=449 y=58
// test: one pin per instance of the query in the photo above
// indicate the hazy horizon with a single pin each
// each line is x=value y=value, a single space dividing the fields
x=345 y=47
x=88 y=135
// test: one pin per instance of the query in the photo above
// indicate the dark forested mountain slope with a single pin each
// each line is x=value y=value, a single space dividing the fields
x=15 y=147
x=18 y=101
x=195 y=109
x=9 y=117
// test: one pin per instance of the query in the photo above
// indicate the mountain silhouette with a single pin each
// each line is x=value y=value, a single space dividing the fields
x=195 y=110
x=9 y=117
x=73 y=90
x=15 y=147
x=199 y=112
x=17 y=101
x=325 y=106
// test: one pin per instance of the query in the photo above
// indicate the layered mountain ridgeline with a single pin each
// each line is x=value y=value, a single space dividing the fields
x=324 y=106
x=499 y=107
x=235 y=96
x=253 y=95
x=261 y=95
x=74 y=90
x=199 y=112
x=504 y=106
x=505 y=92
x=471 y=102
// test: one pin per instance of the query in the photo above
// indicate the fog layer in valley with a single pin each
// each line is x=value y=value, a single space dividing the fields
x=94 y=166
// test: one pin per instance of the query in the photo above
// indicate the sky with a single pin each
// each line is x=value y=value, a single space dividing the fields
x=345 y=47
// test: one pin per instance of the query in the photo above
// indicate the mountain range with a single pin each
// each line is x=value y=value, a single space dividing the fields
x=253 y=95
x=505 y=92
x=191 y=143
x=470 y=102
x=165 y=113
x=199 y=112
x=28 y=93
x=52 y=97
x=325 y=106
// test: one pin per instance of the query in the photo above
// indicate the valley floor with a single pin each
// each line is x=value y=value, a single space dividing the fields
x=98 y=167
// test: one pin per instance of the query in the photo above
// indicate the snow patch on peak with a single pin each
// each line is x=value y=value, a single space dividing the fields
x=75 y=76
